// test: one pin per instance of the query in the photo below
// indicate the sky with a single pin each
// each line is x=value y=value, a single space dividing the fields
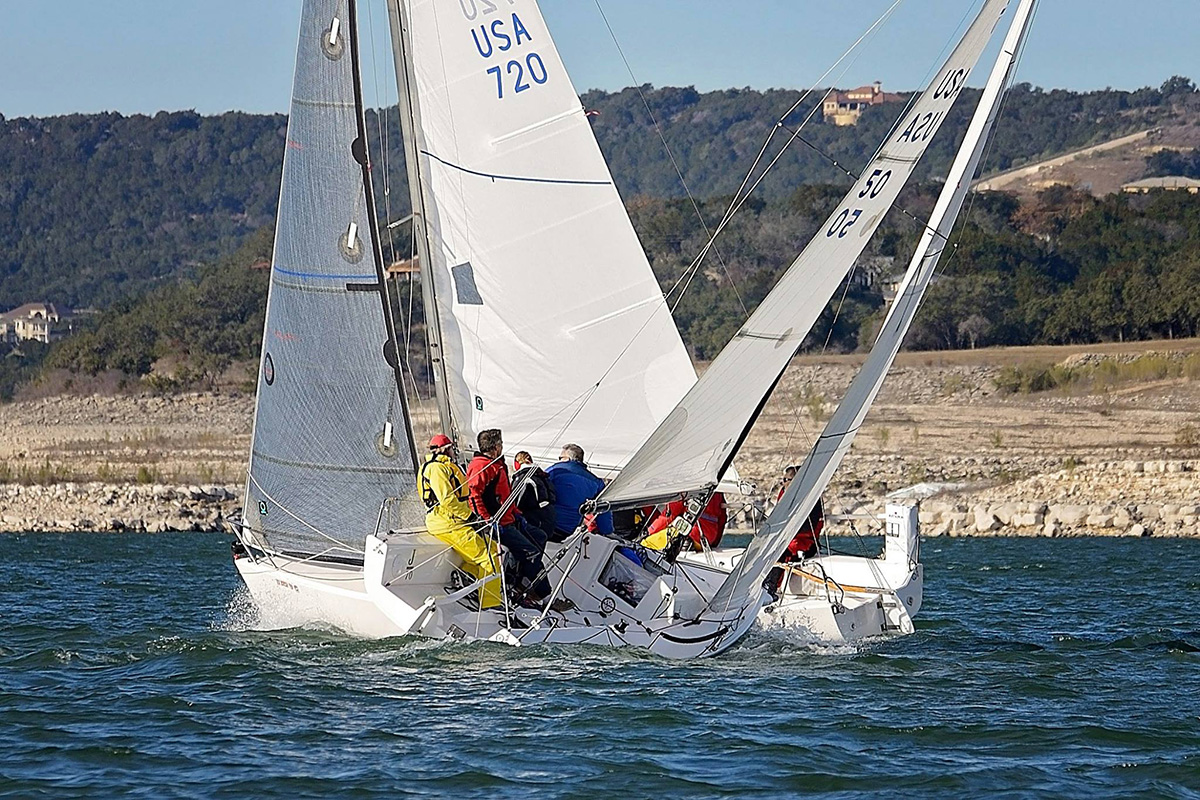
x=142 y=56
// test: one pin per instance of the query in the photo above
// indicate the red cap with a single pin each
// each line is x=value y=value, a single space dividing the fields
x=441 y=440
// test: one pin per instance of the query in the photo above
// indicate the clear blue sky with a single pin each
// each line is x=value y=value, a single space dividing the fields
x=131 y=56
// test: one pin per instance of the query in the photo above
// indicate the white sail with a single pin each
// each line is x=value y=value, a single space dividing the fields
x=693 y=447
x=553 y=327
x=839 y=433
x=331 y=439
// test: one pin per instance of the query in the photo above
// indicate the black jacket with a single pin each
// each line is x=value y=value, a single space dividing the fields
x=535 y=496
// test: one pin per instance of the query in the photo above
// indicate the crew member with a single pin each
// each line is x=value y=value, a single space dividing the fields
x=535 y=495
x=487 y=481
x=709 y=527
x=802 y=547
x=574 y=484
x=443 y=487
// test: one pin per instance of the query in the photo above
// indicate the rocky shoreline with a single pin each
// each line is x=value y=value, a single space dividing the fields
x=117 y=507
x=1133 y=498
x=1106 y=459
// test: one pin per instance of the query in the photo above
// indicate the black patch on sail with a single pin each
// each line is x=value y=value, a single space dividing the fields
x=358 y=149
x=269 y=370
x=389 y=354
x=467 y=293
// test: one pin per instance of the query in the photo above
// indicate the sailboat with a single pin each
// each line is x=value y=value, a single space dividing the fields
x=515 y=211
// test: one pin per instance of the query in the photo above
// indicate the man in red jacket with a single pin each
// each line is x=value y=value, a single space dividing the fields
x=487 y=480
x=803 y=546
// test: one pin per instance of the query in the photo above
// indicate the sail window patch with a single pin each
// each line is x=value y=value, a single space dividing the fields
x=269 y=370
x=332 y=42
x=385 y=442
x=351 y=245
x=466 y=292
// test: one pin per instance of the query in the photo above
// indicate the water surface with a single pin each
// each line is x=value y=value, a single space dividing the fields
x=129 y=665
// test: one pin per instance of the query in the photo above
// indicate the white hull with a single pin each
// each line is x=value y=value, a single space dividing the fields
x=837 y=599
x=403 y=589
x=406 y=586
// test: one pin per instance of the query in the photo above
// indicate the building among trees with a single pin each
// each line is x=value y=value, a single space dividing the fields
x=1169 y=183
x=844 y=108
x=34 y=322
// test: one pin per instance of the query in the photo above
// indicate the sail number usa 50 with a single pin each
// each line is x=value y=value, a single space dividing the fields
x=504 y=42
x=845 y=219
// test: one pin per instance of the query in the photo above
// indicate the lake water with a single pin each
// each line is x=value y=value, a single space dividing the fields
x=1057 y=668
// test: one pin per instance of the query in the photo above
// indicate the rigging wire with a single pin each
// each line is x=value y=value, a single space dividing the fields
x=671 y=155
x=797 y=423
x=965 y=217
x=740 y=198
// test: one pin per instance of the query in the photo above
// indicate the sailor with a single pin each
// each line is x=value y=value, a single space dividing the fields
x=535 y=495
x=489 y=488
x=802 y=547
x=443 y=488
x=574 y=484
x=788 y=475
x=709 y=527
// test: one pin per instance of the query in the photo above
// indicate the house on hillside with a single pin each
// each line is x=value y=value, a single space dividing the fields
x=844 y=108
x=1171 y=183
x=35 y=322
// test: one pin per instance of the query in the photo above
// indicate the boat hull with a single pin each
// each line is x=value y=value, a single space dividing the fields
x=403 y=589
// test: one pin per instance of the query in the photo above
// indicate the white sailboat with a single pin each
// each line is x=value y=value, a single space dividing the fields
x=517 y=220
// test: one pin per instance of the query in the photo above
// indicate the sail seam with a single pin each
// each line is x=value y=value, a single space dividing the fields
x=518 y=178
x=327 y=276
x=332 y=467
x=321 y=103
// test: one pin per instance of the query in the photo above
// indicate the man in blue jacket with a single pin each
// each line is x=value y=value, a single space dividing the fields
x=574 y=484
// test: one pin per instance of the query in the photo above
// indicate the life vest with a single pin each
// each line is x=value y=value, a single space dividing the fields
x=428 y=496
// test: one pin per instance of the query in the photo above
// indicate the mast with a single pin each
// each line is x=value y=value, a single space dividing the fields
x=391 y=349
x=409 y=125
x=827 y=453
x=695 y=444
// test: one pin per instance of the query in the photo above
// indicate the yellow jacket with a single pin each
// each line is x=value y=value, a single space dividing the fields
x=443 y=487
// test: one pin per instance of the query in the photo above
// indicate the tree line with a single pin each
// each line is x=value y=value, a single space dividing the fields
x=99 y=207
x=1066 y=268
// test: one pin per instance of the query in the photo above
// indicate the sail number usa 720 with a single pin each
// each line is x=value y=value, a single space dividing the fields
x=503 y=41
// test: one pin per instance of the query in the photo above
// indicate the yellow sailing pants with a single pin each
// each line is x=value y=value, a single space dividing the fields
x=480 y=560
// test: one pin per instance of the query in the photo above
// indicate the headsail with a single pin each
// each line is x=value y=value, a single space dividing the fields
x=553 y=326
x=693 y=447
x=839 y=433
x=331 y=438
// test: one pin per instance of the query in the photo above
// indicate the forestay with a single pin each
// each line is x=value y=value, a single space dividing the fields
x=331 y=440
x=692 y=448
x=839 y=433
x=553 y=326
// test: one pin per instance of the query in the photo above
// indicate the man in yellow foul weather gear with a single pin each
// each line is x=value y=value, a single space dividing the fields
x=443 y=487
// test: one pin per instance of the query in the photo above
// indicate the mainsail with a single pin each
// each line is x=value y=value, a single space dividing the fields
x=839 y=433
x=694 y=445
x=552 y=325
x=331 y=438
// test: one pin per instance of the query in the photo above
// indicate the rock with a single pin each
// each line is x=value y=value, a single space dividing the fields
x=1005 y=512
x=1068 y=515
x=1138 y=530
x=985 y=520
x=1099 y=521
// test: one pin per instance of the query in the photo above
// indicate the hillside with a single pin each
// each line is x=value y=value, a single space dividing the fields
x=95 y=208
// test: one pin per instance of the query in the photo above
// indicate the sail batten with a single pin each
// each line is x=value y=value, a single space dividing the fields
x=722 y=405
